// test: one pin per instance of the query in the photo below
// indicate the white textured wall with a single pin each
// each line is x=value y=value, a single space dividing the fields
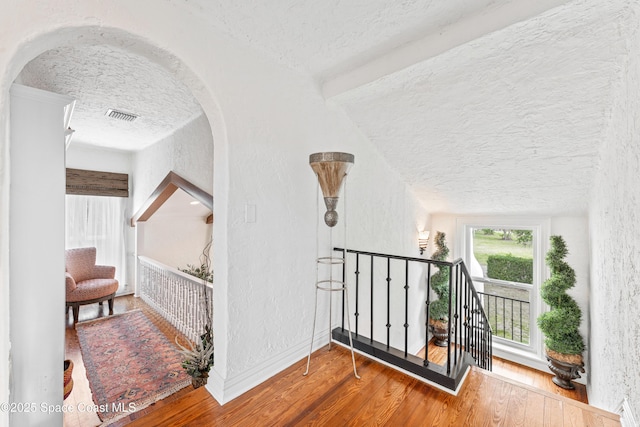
x=271 y=261
x=80 y=156
x=615 y=243
x=187 y=152
x=176 y=241
x=266 y=120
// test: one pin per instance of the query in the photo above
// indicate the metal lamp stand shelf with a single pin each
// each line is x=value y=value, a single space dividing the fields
x=331 y=170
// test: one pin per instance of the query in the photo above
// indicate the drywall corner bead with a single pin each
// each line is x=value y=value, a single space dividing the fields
x=627 y=418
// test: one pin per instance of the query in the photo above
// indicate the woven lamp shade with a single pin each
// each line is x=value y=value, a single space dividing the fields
x=331 y=169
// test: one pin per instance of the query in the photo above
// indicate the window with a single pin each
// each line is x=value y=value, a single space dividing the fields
x=505 y=259
x=98 y=221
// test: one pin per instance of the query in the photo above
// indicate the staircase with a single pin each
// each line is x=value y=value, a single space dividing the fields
x=391 y=297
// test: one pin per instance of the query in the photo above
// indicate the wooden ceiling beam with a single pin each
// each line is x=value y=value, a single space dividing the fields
x=167 y=187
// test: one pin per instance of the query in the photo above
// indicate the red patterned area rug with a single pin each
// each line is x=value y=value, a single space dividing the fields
x=130 y=364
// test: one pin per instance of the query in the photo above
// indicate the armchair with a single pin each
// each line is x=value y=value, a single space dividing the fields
x=86 y=282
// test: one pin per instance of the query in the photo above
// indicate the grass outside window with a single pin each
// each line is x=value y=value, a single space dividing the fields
x=509 y=318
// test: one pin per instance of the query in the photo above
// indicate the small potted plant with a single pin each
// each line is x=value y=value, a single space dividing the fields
x=198 y=358
x=67 y=378
x=439 y=308
x=563 y=342
x=203 y=272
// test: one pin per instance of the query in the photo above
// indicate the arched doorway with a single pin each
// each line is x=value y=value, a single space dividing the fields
x=40 y=333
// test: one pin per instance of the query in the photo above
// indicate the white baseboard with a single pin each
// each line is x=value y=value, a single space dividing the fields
x=626 y=416
x=225 y=391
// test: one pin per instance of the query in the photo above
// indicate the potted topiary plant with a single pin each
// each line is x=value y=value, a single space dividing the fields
x=563 y=342
x=439 y=308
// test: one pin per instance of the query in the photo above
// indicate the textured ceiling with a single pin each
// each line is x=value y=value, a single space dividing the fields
x=325 y=37
x=511 y=122
x=103 y=77
x=482 y=106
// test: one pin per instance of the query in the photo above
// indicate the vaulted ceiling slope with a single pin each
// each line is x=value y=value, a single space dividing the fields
x=482 y=106
x=511 y=122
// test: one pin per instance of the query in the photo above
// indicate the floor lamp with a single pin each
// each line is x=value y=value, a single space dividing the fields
x=331 y=169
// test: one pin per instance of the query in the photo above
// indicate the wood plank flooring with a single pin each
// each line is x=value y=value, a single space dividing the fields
x=331 y=396
x=81 y=396
x=520 y=373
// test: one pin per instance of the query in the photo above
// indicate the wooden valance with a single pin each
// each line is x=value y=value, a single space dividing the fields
x=96 y=183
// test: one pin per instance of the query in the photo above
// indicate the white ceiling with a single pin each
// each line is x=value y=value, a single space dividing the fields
x=325 y=37
x=481 y=106
x=103 y=77
x=509 y=122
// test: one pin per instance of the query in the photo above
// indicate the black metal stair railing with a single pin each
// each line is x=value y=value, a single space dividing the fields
x=379 y=304
x=509 y=317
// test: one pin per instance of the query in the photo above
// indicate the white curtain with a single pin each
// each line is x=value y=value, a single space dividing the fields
x=98 y=221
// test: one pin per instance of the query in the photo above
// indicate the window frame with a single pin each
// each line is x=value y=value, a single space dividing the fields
x=505 y=348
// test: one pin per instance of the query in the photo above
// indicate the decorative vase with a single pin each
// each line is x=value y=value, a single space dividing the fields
x=201 y=380
x=439 y=331
x=68 y=380
x=565 y=370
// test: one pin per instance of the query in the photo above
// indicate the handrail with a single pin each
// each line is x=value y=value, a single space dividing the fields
x=400 y=257
x=175 y=295
x=518 y=285
x=468 y=329
x=174 y=270
x=484 y=355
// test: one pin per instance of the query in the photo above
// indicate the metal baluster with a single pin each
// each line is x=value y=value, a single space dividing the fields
x=521 y=328
x=357 y=314
x=388 y=302
x=467 y=313
x=406 y=308
x=512 y=335
x=371 y=316
x=449 y=321
x=427 y=303
x=504 y=325
x=456 y=301
x=344 y=280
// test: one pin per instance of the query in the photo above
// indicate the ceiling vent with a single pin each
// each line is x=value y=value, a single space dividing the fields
x=121 y=115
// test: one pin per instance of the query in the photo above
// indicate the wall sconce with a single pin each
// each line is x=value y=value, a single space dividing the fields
x=423 y=240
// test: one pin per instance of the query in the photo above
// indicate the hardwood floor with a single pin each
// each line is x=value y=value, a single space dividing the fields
x=519 y=373
x=331 y=396
x=81 y=396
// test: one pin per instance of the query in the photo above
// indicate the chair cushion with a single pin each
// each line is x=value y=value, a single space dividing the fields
x=80 y=263
x=92 y=289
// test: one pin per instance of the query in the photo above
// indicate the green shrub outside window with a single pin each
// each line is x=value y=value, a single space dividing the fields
x=510 y=268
